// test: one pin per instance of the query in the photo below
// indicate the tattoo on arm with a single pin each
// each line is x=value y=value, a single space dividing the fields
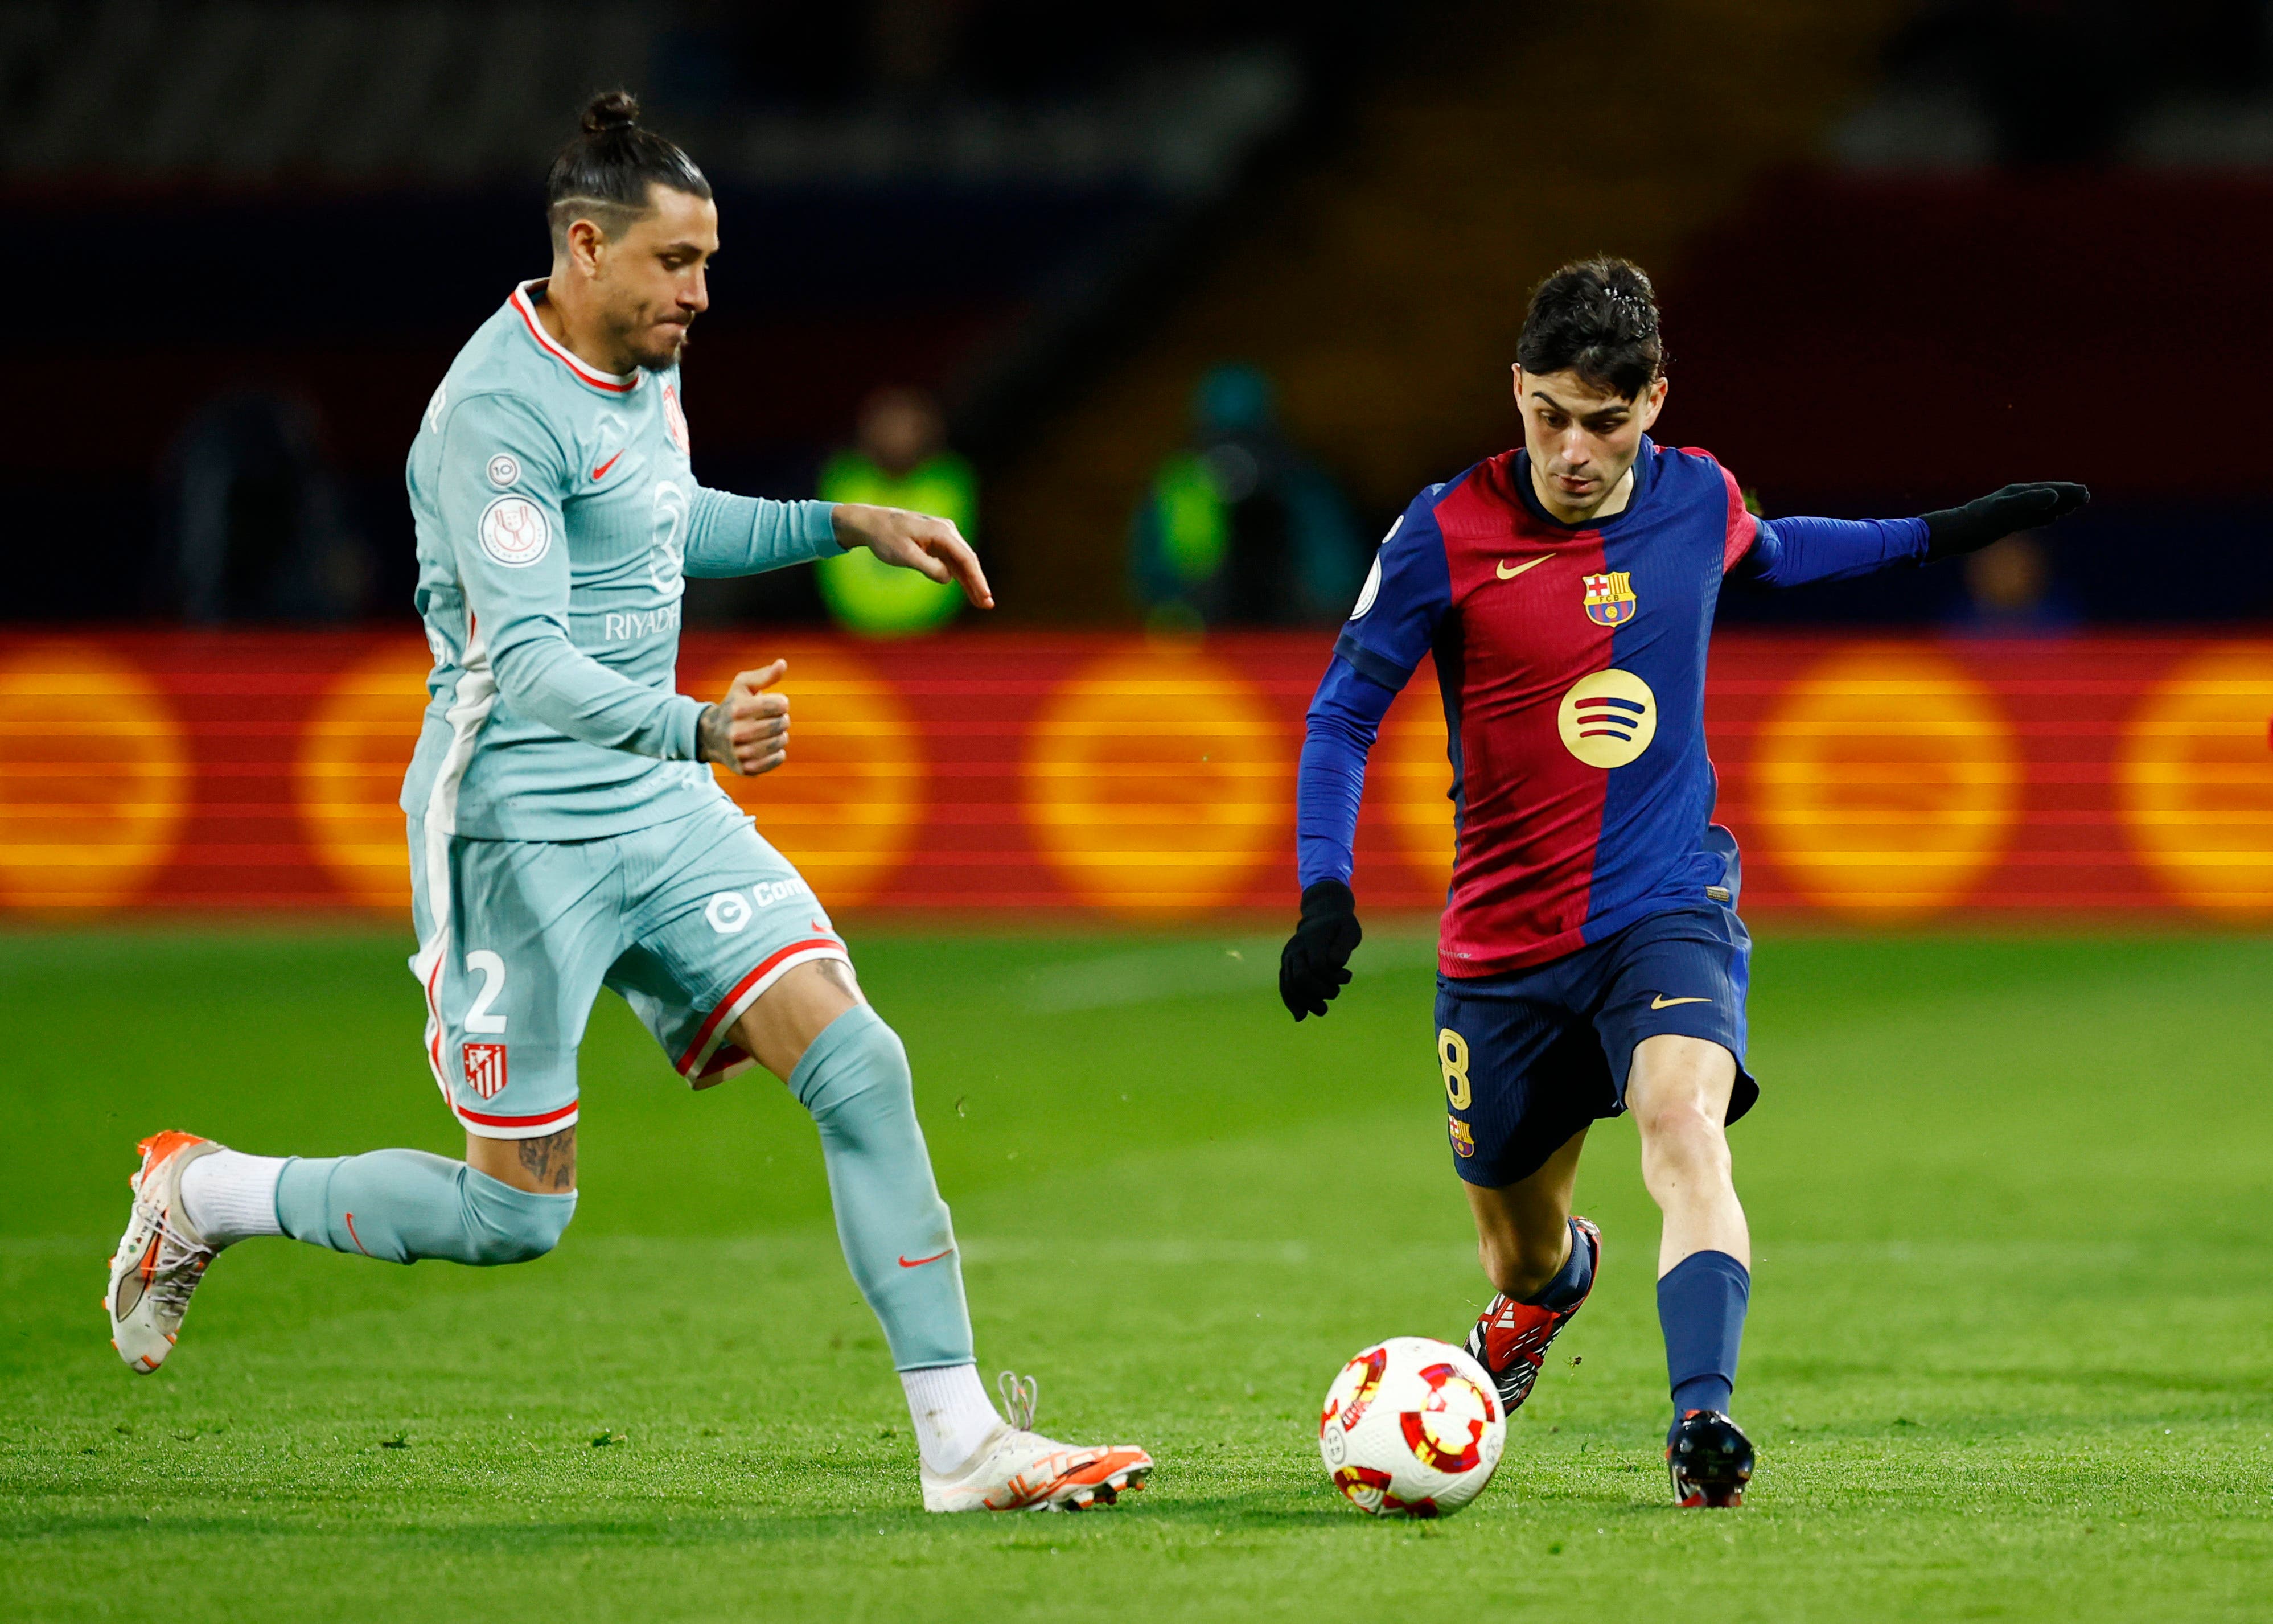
x=551 y=1160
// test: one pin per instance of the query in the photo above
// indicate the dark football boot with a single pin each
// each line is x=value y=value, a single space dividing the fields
x=1510 y=1340
x=1710 y=1459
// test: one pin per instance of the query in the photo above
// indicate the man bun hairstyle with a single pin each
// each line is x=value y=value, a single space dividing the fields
x=605 y=174
x=1597 y=317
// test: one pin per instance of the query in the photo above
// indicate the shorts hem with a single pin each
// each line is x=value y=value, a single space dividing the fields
x=487 y=1126
x=694 y=1063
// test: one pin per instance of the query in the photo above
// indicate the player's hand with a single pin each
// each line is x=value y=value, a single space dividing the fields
x=1313 y=969
x=920 y=542
x=1954 y=530
x=747 y=732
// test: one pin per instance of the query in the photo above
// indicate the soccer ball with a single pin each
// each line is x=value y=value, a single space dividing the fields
x=1412 y=1427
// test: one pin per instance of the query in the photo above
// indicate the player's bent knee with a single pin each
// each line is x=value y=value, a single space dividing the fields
x=505 y=1225
x=856 y=1069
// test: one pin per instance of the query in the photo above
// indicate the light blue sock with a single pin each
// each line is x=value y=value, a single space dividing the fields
x=895 y=1229
x=404 y=1205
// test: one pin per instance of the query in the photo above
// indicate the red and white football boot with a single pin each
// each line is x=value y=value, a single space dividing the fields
x=1510 y=1340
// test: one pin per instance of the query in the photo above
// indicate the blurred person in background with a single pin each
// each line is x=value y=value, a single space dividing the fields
x=1240 y=527
x=898 y=458
x=257 y=529
x=2010 y=591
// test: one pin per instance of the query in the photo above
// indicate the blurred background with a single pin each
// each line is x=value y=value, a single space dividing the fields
x=1173 y=305
x=1156 y=286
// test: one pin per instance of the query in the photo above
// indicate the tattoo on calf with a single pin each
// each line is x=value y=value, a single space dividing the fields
x=551 y=1160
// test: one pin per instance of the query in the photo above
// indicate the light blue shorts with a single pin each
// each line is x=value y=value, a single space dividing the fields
x=690 y=920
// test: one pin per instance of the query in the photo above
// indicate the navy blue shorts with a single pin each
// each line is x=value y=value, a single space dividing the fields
x=1532 y=1057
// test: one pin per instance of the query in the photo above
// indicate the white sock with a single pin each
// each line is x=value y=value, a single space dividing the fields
x=228 y=1195
x=951 y=1411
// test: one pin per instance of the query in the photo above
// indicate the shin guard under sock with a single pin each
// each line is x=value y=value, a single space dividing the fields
x=403 y=1205
x=1573 y=1280
x=894 y=1228
x=1700 y=1306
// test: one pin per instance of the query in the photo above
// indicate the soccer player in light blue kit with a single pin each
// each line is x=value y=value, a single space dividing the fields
x=565 y=833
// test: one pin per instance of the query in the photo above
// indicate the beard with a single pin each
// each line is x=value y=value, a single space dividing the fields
x=651 y=361
x=654 y=347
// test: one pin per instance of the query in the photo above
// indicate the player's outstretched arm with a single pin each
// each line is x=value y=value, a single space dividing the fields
x=747 y=732
x=1791 y=552
x=921 y=542
x=1954 y=530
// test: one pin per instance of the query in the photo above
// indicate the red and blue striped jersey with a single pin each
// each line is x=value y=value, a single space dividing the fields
x=1571 y=662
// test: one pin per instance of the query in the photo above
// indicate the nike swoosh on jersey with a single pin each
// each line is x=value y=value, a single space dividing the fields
x=1506 y=574
x=1663 y=1002
x=921 y=1262
x=602 y=471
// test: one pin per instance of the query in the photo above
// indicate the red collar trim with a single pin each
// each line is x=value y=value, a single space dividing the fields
x=613 y=383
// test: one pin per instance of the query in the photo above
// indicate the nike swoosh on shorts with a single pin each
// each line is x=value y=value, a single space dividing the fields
x=1663 y=1002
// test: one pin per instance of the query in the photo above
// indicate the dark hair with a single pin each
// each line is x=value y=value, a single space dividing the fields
x=1597 y=317
x=603 y=176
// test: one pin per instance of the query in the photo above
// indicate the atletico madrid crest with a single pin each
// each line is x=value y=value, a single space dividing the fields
x=1610 y=598
x=485 y=1069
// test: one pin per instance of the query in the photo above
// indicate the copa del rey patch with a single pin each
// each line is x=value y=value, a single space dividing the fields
x=485 y=1069
x=516 y=532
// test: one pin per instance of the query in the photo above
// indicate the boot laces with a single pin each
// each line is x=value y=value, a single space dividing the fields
x=1020 y=1395
x=179 y=1267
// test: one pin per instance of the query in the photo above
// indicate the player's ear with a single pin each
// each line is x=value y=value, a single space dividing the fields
x=586 y=243
x=1654 y=401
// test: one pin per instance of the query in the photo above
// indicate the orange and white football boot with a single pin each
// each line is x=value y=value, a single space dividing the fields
x=1017 y=1468
x=159 y=1259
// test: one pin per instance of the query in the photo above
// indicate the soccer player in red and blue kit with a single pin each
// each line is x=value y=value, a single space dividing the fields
x=1592 y=960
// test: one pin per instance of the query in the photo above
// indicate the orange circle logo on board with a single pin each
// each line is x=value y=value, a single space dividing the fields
x=354 y=750
x=846 y=805
x=2195 y=779
x=1158 y=783
x=94 y=777
x=1886 y=782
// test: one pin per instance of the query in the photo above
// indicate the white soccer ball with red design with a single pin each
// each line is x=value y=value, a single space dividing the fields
x=1412 y=1427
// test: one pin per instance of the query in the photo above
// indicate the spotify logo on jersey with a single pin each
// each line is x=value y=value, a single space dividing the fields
x=1608 y=719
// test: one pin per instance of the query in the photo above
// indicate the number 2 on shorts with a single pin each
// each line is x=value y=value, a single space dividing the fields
x=1452 y=1054
x=490 y=968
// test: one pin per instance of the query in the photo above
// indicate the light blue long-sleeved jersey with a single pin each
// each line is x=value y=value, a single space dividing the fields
x=558 y=518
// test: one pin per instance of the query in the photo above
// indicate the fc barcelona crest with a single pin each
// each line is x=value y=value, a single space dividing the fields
x=1610 y=598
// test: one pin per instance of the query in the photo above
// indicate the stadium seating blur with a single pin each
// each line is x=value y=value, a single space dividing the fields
x=1907 y=251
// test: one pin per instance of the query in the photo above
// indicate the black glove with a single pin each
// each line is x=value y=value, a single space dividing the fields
x=1311 y=968
x=1955 y=530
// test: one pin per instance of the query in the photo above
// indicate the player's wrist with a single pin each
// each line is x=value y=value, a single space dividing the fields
x=710 y=734
x=1325 y=898
x=854 y=523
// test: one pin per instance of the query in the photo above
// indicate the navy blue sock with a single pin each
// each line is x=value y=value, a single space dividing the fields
x=1701 y=1304
x=1572 y=1280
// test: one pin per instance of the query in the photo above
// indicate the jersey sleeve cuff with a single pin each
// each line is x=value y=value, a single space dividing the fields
x=815 y=529
x=1370 y=665
x=684 y=741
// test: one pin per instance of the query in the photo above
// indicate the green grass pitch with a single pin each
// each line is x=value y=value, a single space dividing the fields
x=2011 y=1354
